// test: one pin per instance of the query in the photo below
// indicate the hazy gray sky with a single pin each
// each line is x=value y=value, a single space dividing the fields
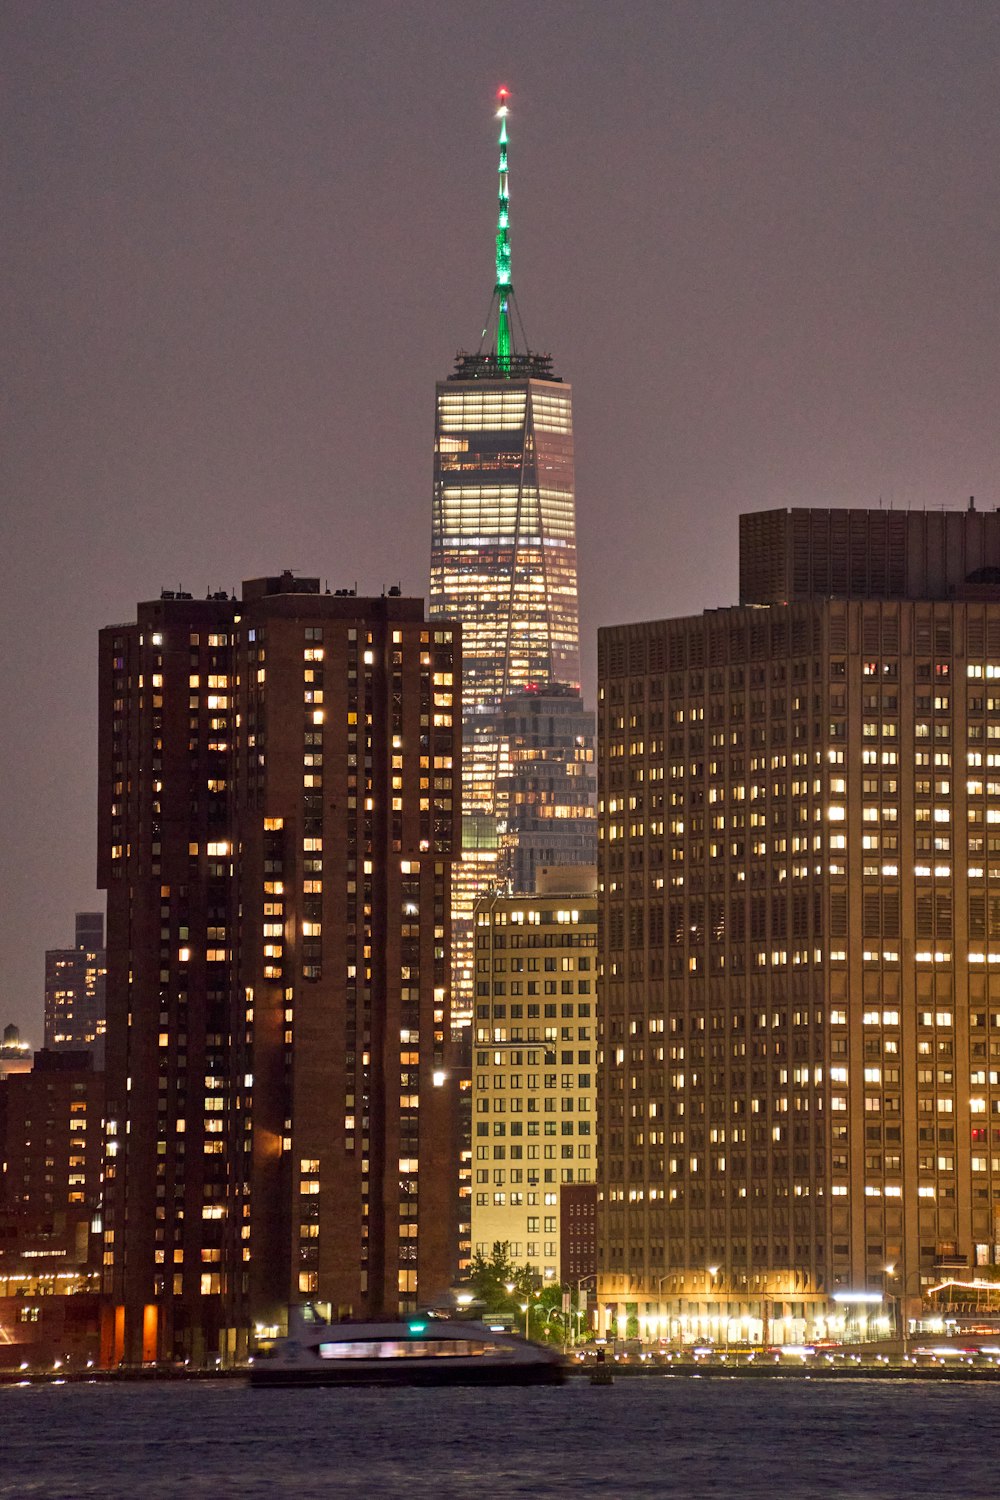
x=243 y=240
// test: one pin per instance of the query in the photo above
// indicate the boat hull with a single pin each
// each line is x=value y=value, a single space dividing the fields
x=411 y=1373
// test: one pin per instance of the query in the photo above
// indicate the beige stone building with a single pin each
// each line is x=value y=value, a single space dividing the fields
x=534 y=1065
x=799 y=813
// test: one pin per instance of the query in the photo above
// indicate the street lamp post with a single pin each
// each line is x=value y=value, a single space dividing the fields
x=901 y=1314
x=524 y=1306
x=578 y=1283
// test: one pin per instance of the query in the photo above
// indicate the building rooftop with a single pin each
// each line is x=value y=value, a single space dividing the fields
x=488 y=367
x=851 y=553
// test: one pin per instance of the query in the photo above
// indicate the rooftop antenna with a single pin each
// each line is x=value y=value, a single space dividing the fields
x=502 y=300
x=504 y=287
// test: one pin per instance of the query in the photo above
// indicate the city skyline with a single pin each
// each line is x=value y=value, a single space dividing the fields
x=774 y=245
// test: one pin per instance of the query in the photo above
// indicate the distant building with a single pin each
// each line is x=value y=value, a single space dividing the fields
x=800 y=915
x=578 y=1234
x=15 y=1055
x=534 y=1071
x=74 y=989
x=53 y=1147
x=52 y=1155
x=277 y=825
x=545 y=786
x=503 y=560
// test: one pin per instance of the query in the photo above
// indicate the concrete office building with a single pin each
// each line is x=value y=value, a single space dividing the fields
x=800 y=900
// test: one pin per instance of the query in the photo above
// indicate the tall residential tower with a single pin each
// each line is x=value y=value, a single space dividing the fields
x=503 y=556
x=276 y=829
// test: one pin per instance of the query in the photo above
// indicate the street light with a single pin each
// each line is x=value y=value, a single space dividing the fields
x=524 y=1306
x=510 y=1288
x=904 y=1283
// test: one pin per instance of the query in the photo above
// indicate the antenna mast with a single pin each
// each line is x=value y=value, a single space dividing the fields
x=503 y=288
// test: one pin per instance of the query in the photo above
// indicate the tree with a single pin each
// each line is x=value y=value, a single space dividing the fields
x=492 y=1277
x=500 y=1285
x=549 y=1319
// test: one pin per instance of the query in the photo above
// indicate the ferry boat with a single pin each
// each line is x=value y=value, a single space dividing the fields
x=425 y=1350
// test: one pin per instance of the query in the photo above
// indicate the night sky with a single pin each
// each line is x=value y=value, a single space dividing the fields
x=243 y=241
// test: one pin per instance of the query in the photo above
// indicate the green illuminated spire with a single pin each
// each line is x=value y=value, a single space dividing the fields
x=502 y=353
x=503 y=288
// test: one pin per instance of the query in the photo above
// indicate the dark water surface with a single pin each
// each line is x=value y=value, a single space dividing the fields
x=640 y=1437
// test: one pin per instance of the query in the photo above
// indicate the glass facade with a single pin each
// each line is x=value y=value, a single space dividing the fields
x=545 y=785
x=503 y=562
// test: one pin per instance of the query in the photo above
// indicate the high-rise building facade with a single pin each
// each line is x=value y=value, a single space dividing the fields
x=503 y=556
x=800 y=928
x=166 y=728
x=545 y=785
x=867 y=554
x=534 y=1073
x=276 y=831
x=74 y=988
x=345 y=819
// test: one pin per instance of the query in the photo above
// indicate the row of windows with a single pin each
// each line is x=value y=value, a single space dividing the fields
x=532 y=965
x=530 y=1153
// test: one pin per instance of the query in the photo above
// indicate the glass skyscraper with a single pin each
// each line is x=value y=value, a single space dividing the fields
x=503 y=557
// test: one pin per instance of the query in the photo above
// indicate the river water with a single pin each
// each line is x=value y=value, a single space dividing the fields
x=640 y=1437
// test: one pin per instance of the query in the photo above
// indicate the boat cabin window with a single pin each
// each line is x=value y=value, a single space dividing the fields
x=408 y=1348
